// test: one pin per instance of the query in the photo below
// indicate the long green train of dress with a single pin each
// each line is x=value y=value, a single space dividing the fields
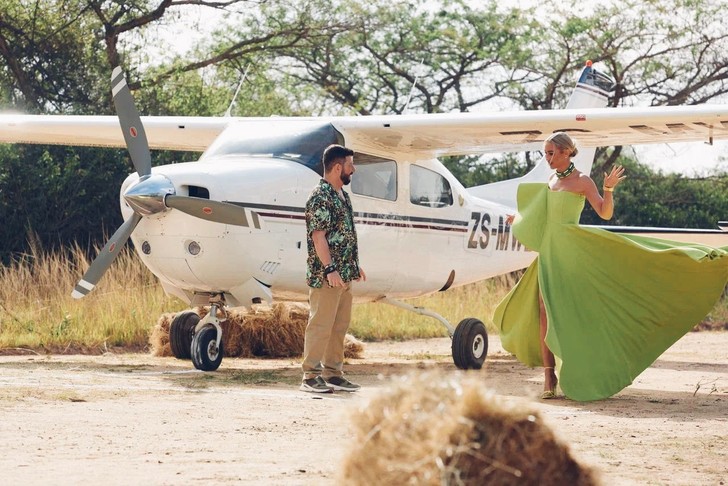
x=614 y=302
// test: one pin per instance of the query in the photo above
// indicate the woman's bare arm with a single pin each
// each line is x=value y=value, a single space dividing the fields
x=604 y=206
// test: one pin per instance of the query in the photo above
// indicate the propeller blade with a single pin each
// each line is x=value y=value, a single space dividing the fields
x=105 y=258
x=131 y=124
x=215 y=211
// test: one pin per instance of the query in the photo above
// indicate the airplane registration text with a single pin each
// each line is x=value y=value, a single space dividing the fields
x=485 y=232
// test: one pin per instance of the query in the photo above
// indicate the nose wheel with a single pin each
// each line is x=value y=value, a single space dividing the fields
x=206 y=349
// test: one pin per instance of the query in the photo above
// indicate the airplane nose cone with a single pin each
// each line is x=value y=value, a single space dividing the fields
x=147 y=196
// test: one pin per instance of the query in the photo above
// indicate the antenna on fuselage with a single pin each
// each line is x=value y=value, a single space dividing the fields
x=237 y=90
x=412 y=89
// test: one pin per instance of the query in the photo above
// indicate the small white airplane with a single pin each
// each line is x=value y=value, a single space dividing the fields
x=230 y=229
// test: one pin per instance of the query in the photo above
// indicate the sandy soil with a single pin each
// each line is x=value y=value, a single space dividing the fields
x=132 y=419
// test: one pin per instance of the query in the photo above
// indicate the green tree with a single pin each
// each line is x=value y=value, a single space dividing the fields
x=649 y=198
x=48 y=60
x=389 y=50
x=58 y=194
x=473 y=170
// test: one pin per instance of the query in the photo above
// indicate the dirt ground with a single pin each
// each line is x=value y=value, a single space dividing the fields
x=134 y=418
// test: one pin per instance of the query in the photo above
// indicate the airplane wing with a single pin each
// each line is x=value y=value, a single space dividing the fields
x=474 y=133
x=425 y=134
x=163 y=132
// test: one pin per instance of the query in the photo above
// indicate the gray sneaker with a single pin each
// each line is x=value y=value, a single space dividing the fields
x=341 y=383
x=315 y=385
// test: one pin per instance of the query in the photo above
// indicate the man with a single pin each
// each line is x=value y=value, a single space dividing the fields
x=333 y=263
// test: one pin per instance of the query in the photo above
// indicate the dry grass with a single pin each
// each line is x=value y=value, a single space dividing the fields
x=381 y=322
x=717 y=319
x=435 y=428
x=39 y=315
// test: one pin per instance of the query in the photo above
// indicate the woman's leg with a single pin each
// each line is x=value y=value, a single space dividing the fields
x=549 y=374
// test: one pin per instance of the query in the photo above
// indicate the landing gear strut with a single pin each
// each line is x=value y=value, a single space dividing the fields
x=469 y=338
x=206 y=348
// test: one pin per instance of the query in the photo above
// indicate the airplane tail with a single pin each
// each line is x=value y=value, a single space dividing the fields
x=591 y=91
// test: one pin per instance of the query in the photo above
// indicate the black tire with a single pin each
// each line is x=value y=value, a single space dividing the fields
x=469 y=344
x=181 y=332
x=206 y=355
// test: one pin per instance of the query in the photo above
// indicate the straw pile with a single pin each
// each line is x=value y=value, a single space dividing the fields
x=436 y=428
x=260 y=331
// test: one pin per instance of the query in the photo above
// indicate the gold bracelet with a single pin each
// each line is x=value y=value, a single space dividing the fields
x=608 y=189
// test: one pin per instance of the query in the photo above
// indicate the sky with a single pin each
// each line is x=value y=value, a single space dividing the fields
x=690 y=159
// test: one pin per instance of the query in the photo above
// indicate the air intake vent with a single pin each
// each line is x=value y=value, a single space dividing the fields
x=270 y=267
x=197 y=191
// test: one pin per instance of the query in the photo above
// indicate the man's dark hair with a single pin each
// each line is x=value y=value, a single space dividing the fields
x=333 y=153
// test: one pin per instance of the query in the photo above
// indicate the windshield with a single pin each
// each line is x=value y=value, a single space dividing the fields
x=302 y=141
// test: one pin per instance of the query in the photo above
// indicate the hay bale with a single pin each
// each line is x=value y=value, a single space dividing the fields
x=233 y=335
x=159 y=338
x=353 y=348
x=276 y=331
x=435 y=428
x=262 y=331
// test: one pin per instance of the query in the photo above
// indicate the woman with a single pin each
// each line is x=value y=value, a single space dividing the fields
x=598 y=307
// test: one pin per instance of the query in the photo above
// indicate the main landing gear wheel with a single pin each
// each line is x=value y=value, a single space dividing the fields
x=181 y=332
x=469 y=344
x=206 y=354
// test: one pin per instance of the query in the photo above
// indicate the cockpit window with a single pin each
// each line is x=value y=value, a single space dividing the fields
x=428 y=188
x=297 y=140
x=374 y=177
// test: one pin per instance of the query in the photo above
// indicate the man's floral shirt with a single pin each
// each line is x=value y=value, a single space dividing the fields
x=326 y=211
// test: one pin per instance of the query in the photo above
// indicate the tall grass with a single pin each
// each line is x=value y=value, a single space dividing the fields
x=377 y=322
x=37 y=311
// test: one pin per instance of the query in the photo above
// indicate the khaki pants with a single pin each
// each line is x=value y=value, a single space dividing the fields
x=323 y=348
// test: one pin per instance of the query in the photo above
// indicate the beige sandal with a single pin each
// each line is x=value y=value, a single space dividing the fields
x=549 y=394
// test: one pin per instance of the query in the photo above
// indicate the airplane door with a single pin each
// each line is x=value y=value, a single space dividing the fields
x=430 y=240
x=375 y=189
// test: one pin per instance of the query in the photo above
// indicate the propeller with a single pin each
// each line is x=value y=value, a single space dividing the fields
x=131 y=124
x=105 y=258
x=153 y=193
x=136 y=142
x=215 y=211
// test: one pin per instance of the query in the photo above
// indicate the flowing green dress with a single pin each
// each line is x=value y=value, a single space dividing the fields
x=614 y=302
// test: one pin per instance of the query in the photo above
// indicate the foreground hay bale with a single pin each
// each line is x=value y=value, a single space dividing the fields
x=436 y=428
x=275 y=332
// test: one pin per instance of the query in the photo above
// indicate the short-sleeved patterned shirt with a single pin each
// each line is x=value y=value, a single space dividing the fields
x=326 y=211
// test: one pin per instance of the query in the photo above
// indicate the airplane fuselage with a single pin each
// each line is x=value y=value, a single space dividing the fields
x=422 y=234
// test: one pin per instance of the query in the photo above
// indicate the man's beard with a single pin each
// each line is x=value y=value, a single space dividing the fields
x=345 y=178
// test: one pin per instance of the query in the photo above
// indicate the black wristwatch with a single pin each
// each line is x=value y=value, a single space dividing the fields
x=329 y=269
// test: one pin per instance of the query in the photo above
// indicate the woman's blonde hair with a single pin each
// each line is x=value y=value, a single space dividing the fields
x=564 y=142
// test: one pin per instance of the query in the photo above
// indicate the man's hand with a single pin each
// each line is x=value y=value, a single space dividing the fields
x=334 y=279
